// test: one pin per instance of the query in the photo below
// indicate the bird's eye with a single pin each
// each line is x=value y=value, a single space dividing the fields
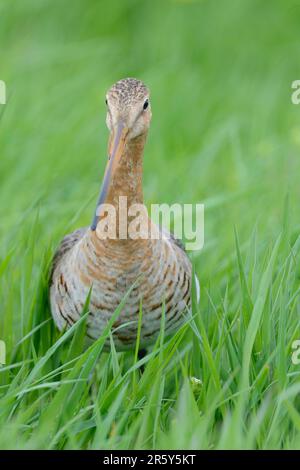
x=106 y=102
x=146 y=104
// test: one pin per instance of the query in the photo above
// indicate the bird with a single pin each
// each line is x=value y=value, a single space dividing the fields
x=154 y=272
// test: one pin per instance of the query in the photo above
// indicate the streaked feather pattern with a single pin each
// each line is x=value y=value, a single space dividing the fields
x=160 y=269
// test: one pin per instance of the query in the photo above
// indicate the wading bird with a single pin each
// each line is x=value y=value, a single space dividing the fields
x=158 y=269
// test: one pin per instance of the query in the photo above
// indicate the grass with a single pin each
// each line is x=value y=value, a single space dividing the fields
x=224 y=133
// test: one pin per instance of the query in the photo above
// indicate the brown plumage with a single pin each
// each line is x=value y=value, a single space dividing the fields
x=159 y=267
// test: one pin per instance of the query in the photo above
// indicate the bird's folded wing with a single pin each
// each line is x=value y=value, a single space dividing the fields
x=66 y=244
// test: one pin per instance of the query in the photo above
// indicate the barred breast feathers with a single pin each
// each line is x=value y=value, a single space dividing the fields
x=172 y=239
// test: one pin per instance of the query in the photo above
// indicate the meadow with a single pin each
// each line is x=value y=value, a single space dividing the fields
x=224 y=133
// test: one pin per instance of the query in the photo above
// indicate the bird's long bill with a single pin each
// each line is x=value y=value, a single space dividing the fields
x=116 y=149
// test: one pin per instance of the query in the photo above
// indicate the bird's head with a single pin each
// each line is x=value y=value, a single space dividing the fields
x=128 y=109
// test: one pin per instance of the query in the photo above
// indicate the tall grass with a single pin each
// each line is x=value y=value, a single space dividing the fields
x=224 y=133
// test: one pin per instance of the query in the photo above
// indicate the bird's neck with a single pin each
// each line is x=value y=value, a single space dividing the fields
x=127 y=180
x=124 y=197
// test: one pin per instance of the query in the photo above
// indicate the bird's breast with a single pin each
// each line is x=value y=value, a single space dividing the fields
x=154 y=274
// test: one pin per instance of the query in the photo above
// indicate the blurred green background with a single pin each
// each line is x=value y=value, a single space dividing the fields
x=224 y=130
x=224 y=133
